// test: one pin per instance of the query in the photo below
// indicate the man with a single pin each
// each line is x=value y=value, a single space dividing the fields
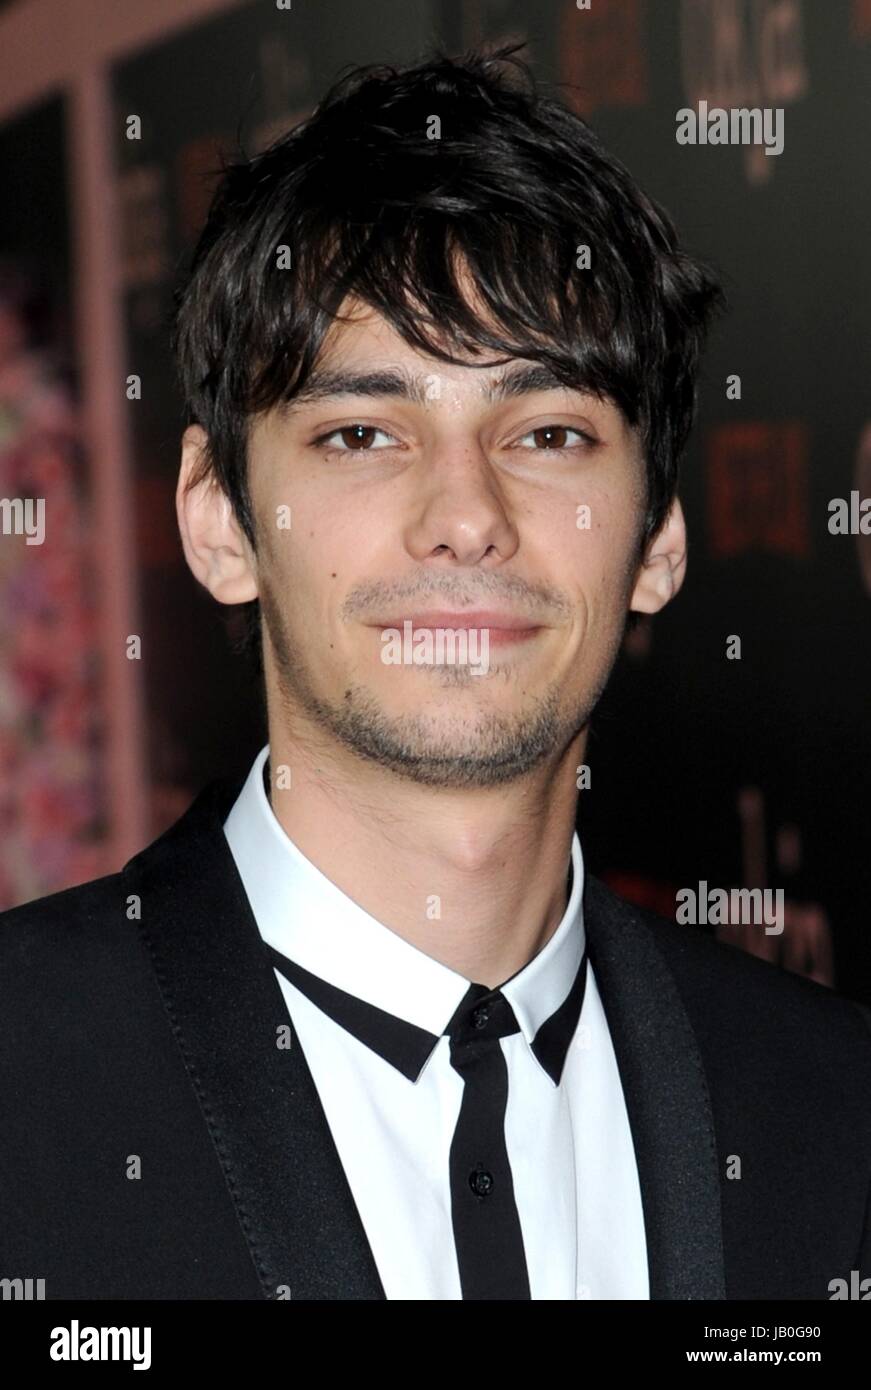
x=364 y=1027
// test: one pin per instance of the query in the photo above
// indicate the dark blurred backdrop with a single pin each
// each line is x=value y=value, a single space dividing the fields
x=751 y=772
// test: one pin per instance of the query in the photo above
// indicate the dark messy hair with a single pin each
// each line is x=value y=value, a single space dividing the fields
x=399 y=181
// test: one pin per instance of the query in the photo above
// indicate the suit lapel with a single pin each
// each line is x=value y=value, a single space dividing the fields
x=666 y=1099
x=266 y=1120
x=259 y=1101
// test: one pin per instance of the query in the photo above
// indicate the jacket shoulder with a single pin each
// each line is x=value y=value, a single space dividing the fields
x=726 y=987
x=92 y=916
x=62 y=919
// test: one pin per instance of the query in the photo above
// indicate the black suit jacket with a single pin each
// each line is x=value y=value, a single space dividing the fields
x=155 y=1040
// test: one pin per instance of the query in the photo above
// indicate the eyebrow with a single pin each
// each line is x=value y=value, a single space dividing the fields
x=332 y=384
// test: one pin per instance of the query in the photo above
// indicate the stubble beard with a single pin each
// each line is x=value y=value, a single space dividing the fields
x=492 y=751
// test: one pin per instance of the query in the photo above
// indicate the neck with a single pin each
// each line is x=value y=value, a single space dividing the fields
x=475 y=879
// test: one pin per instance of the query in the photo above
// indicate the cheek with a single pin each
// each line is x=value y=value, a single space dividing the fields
x=602 y=572
x=318 y=564
x=602 y=533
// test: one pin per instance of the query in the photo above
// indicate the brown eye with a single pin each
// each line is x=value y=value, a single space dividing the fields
x=354 y=439
x=558 y=438
x=550 y=437
x=357 y=436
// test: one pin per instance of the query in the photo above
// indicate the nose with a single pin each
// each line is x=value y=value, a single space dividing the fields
x=460 y=516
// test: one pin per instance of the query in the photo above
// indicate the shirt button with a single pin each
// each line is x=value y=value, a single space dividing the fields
x=480 y=1182
x=480 y=1016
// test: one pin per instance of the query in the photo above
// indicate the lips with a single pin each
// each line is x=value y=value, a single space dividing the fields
x=501 y=628
x=467 y=619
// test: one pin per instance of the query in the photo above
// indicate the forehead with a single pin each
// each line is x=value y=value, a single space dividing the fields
x=364 y=345
x=365 y=335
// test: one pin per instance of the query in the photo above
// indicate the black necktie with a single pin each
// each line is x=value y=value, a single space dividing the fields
x=487 y=1233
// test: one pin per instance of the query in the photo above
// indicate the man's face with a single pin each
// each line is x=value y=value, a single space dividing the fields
x=450 y=502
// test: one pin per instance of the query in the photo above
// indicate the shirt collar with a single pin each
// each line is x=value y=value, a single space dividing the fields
x=303 y=915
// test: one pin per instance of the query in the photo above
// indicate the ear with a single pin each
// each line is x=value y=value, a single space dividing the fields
x=215 y=546
x=663 y=567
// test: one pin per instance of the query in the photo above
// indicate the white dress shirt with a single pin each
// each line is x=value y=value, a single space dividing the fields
x=569 y=1144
